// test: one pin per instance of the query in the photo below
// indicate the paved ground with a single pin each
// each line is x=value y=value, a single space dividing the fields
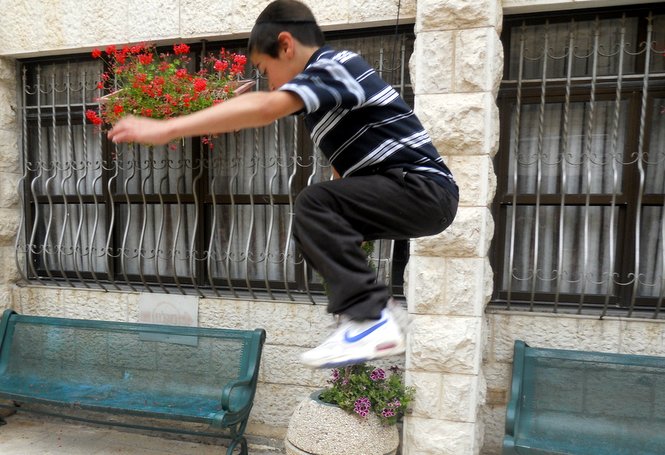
x=31 y=435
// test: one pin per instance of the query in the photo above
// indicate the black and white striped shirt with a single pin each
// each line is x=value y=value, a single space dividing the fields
x=359 y=121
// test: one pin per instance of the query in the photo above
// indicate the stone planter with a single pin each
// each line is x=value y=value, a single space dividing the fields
x=318 y=428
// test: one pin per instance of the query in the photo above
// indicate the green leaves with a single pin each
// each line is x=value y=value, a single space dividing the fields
x=352 y=387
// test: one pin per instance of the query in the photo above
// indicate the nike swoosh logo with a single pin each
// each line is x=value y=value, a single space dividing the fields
x=352 y=339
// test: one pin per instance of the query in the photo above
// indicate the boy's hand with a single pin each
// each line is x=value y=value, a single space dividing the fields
x=140 y=130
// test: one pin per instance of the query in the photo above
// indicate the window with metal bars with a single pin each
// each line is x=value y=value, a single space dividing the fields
x=181 y=218
x=581 y=167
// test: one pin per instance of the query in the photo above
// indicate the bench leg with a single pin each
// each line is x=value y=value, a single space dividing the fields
x=3 y=421
x=234 y=443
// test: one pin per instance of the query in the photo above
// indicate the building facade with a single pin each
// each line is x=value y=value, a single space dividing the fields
x=497 y=88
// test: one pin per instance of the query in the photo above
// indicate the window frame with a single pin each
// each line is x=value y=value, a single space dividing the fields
x=114 y=201
x=627 y=201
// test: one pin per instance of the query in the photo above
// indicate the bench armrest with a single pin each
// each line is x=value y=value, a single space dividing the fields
x=228 y=390
x=234 y=411
x=237 y=410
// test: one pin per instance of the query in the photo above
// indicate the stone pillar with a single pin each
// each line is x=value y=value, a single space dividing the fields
x=9 y=175
x=456 y=69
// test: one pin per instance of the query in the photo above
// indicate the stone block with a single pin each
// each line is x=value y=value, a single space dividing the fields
x=69 y=24
x=9 y=272
x=274 y=403
x=9 y=223
x=8 y=70
x=432 y=62
x=8 y=190
x=469 y=236
x=494 y=421
x=478 y=60
x=447 y=286
x=291 y=324
x=8 y=106
x=102 y=25
x=363 y=11
x=642 y=337
x=232 y=314
x=209 y=17
x=428 y=400
x=460 y=123
x=475 y=177
x=457 y=14
x=468 y=286
x=553 y=331
x=96 y=305
x=498 y=377
x=151 y=20
x=330 y=11
x=6 y=298
x=9 y=151
x=15 y=26
x=281 y=365
x=425 y=292
x=461 y=397
x=439 y=437
x=39 y=301
x=445 y=343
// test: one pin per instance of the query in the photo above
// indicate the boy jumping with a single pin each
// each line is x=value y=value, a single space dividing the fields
x=394 y=184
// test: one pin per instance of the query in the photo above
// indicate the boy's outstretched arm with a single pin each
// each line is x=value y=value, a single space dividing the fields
x=245 y=111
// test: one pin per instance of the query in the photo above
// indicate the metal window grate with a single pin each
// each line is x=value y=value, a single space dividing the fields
x=581 y=196
x=178 y=219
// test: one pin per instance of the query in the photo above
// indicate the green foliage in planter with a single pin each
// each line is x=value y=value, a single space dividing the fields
x=363 y=388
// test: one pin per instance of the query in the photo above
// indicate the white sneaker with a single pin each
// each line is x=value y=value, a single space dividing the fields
x=358 y=341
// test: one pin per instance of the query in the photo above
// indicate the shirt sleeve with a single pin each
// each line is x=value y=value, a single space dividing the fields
x=326 y=85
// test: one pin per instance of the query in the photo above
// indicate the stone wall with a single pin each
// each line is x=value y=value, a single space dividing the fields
x=64 y=26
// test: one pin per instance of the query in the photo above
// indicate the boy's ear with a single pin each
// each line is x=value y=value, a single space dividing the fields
x=286 y=43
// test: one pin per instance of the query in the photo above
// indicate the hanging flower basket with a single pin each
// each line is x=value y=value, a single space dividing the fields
x=146 y=83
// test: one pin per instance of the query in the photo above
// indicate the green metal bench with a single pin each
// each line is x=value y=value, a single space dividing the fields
x=170 y=378
x=591 y=403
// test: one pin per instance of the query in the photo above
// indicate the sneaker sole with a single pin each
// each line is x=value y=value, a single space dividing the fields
x=342 y=361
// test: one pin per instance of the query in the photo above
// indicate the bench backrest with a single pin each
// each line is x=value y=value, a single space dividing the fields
x=172 y=359
x=587 y=402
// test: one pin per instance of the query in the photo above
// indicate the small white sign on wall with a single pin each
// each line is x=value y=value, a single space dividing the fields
x=169 y=310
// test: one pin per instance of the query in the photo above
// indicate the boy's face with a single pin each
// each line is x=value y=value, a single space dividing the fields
x=278 y=70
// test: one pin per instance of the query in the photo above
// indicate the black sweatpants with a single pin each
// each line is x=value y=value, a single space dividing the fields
x=333 y=218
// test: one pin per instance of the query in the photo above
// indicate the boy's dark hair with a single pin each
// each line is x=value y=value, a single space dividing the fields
x=284 y=16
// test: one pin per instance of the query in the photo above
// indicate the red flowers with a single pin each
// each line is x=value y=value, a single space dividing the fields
x=145 y=59
x=180 y=49
x=220 y=65
x=159 y=85
x=200 y=84
x=93 y=117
